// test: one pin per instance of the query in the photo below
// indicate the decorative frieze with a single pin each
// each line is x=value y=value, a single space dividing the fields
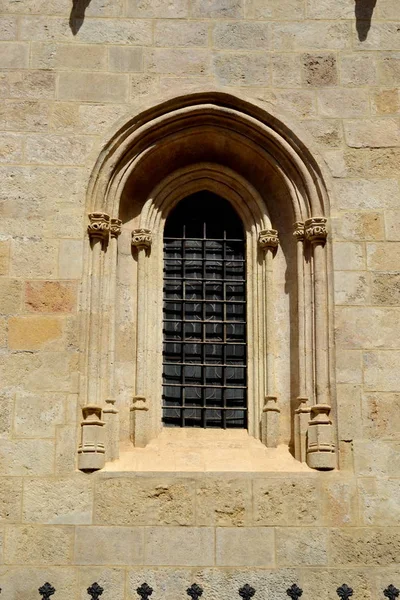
x=91 y=451
x=141 y=239
x=99 y=226
x=316 y=231
x=268 y=239
x=299 y=231
x=115 y=227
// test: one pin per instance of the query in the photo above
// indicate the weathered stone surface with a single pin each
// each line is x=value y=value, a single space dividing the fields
x=348 y=256
x=349 y=411
x=110 y=579
x=177 y=9
x=343 y=103
x=360 y=226
x=339 y=500
x=372 y=133
x=125 y=59
x=389 y=69
x=367 y=327
x=319 y=69
x=360 y=546
x=285 y=501
x=144 y=501
x=10 y=296
x=379 y=501
x=322 y=581
x=223 y=503
x=245 y=69
x=381 y=371
x=95 y=545
x=50 y=296
x=37 y=415
x=32 y=257
x=366 y=194
x=386 y=102
x=70 y=259
x=349 y=366
x=14 y=55
x=18 y=582
x=274 y=9
x=386 y=288
x=58 y=501
x=381 y=415
x=68 y=56
x=220 y=9
x=358 y=69
x=376 y=458
x=183 y=61
x=310 y=35
x=26 y=457
x=241 y=36
x=66 y=445
x=10 y=152
x=329 y=9
x=92 y=87
x=35 y=332
x=8 y=28
x=186 y=546
x=351 y=287
x=10 y=499
x=326 y=132
x=301 y=546
x=29 y=544
x=286 y=71
x=178 y=33
x=245 y=546
x=383 y=257
x=57 y=149
x=27 y=84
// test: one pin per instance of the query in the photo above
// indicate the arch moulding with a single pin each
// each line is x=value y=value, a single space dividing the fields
x=227 y=146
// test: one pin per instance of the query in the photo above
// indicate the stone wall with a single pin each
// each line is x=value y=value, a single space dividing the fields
x=65 y=83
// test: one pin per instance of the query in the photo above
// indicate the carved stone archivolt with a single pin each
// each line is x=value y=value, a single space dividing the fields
x=141 y=239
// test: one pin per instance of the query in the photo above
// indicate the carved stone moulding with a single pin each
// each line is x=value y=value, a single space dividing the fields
x=299 y=231
x=268 y=239
x=99 y=226
x=141 y=239
x=115 y=227
x=91 y=451
x=316 y=230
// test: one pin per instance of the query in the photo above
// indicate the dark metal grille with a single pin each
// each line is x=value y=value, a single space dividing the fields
x=204 y=356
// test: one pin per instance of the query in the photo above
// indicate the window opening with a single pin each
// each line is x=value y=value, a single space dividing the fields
x=204 y=315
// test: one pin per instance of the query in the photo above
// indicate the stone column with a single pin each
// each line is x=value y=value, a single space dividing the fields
x=269 y=242
x=141 y=242
x=91 y=453
x=110 y=412
x=320 y=455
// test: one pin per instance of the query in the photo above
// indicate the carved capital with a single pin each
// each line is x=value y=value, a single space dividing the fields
x=115 y=227
x=316 y=231
x=299 y=231
x=268 y=239
x=99 y=226
x=141 y=239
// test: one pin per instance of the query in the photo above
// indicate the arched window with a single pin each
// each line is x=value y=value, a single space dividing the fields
x=204 y=315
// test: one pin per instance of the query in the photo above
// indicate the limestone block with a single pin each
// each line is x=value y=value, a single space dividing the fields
x=169 y=581
x=14 y=55
x=183 y=61
x=285 y=501
x=348 y=256
x=99 y=87
x=59 y=501
x=27 y=457
x=364 y=546
x=20 y=582
x=388 y=9
x=188 y=85
x=383 y=257
x=65 y=117
x=111 y=580
x=326 y=132
x=349 y=411
x=33 y=545
x=379 y=501
x=364 y=194
x=125 y=59
x=103 y=8
x=144 y=501
x=8 y=28
x=319 y=70
x=286 y=72
x=10 y=296
x=96 y=118
x=28 y=84
x=10 y=151
x=360 y=226
x=6 y=414
x=386 y=288
x=245 y=546
x=50 y=296
x=329 y=9
x=35 y=333
x=66 y=445
x=372 y=133
x=384 y=36
x=349 y=366
x=386 y=102
x=274 y=9
x=381 y=415
x=301 y=546
x=21 y=115
x=217 y=9
x=389 y=69
x=241 y=68
x=358 y=69
x=68 y=56
x=143 y=85
x=367 y=327
x=324 y=582
x=36 y=415
x=46 y=371
x=32 y=257
x=339 y=500
x=241 y=35
x=10 y=499
x=116 y=31
x=70 y=259
x=179 y=33
x=57 y=149
x=109 y=545
x=223 y=502
x=351 y=287
x=3 y=332
x=185 y=546
x=310 y=35
x=343 y=103
x=144 y=9
x=376 y=458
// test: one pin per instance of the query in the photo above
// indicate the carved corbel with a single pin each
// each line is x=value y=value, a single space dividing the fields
x=320 y=444
x=99 y=226
x=268 y=239
x=115 y=227
x=141 y=239
x=91 y=452
x=299 y=231
x=270 y=422
x=316 y=231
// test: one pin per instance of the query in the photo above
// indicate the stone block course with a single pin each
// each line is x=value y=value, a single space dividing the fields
x=10 y=499
x=301 y=546
x=379 y=501
x=186 y=546
x=177 y=33
x=14 y=55
x=84 y=87
x=241 y=35
x=245 y=546
x=109 y=545
x=223 y=503
x=381 y=415
x=245 y=69
x=33 y=545
x=217 y=9
x=50 y=296
x=284 y=501
x=37 y=415
x=364 y=546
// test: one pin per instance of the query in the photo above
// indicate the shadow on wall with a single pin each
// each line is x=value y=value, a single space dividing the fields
x=364 y=10
x=77 y=15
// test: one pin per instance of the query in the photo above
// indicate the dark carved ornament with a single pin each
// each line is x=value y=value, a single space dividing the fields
x=144 y=591
x=344 y=592
x=246 y=592
x=46 y=591
x=391 y=592
x=194 y=591
x=294 y=592
x=95 y=591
